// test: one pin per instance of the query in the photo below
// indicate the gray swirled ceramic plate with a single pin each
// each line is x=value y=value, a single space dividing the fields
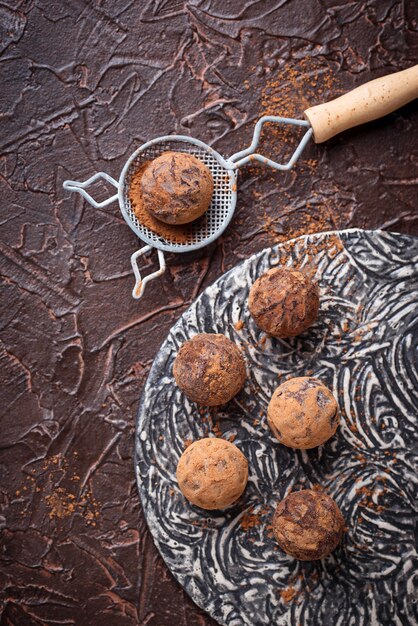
x=364 y=346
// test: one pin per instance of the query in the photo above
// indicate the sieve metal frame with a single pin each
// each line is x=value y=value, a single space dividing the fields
x=154 y=240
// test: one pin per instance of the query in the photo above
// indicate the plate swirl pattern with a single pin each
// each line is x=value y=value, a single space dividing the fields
x=364 y=345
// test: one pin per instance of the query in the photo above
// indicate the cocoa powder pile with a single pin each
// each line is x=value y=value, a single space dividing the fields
x=287 y=92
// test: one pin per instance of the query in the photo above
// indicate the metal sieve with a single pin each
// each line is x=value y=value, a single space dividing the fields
x=365 y=103
x=207 y=228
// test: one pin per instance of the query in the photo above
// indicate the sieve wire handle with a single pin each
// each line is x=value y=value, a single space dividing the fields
x=140 y=283
x=249 y=154
x=80 y=187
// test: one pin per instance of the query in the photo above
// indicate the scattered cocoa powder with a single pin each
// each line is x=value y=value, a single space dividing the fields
x=287 y=93
x=361 y=458
x=62 y=501
x=308 y=257
x=307 y=82
x=251 y=519
x=217 y=429
x=367 y=494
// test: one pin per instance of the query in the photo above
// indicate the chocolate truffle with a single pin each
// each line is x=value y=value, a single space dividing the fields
x=209 y=369
x=308 y=524
x=212 y=473
x=303 y=413
x=176 y=188
x=283 y=302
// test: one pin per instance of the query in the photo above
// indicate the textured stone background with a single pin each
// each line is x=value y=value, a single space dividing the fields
x=82 y=85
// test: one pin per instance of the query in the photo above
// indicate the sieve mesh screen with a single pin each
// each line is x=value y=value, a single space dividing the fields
x=215 y=216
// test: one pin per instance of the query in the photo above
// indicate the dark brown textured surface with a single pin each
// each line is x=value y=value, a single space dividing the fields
x=83 y=84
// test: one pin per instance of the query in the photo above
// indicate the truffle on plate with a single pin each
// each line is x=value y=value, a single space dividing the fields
x=212 y=473
x=176 y=188
x=209 y=369
x=308 y=524
x=284 y=302
x=303 y=413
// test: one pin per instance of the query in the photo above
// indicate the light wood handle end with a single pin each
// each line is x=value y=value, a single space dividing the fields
x=364 y=104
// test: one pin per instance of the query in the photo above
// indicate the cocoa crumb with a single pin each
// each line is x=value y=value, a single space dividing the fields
x=171 y=232
x=251 y=519
x=217 y=429
x=288 y=594
x=345 y=326
x=63 y=503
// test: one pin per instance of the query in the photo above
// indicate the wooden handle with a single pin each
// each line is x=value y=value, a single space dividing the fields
x=364 y=104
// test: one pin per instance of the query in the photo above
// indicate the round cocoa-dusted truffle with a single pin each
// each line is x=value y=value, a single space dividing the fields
x=176 y=188
x=303 y=413
x=308 y=524
x=209 y=369
x=212 y=473
x=284 y=302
